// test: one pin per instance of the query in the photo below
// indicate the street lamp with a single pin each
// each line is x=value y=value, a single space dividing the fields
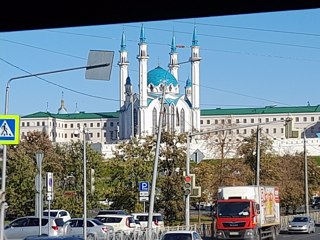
x=85 y=135
x=6 y=109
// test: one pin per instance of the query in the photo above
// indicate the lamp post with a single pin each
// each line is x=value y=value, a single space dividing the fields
x=306 y=186
x=84 y=132
x=6 y=108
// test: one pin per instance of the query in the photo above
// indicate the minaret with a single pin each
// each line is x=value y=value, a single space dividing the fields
x=173 y=65
x=124 y=72
x=143 y=68
x=143 y=94
x=195 y=80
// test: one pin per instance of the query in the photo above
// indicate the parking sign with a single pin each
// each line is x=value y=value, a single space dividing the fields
x=144 y=186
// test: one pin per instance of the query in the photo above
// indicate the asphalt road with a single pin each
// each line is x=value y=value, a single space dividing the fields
x=300 y=236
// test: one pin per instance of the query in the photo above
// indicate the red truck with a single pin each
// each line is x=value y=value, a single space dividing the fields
x=247 y=212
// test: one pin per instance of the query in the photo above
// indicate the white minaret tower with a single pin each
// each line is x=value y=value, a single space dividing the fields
x=173 y=65
x=195 y=80
x=143 y=70
x=124 y=69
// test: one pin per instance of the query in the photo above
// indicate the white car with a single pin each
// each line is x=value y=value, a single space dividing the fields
x=120 y=223
x=58 y=213
x=181 y=234
x=157 y=220
x=22 y=227
x=302 y=224
x=96 y=230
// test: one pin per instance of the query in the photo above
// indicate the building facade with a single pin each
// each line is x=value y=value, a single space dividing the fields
x=138 y=113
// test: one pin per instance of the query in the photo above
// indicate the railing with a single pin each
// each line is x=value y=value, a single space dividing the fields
x=205 y=230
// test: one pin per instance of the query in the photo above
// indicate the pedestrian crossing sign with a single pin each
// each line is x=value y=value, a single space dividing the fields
x=9 y=129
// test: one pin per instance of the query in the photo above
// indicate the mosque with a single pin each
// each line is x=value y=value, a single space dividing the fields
x=139 y=113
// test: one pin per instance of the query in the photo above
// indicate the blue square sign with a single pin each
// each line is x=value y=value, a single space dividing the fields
x=144 y=186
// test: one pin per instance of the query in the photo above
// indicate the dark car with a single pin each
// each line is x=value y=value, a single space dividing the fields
x=315 y=204
x=110 y=211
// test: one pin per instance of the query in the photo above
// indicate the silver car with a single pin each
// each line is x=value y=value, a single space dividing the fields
x=22 y=227
x=301 y=224
x=96 y=230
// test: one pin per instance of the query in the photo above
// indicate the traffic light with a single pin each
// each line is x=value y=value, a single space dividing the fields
x=92 y=188
x=187 y=185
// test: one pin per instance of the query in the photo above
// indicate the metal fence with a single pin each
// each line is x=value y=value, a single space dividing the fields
x=205 y=230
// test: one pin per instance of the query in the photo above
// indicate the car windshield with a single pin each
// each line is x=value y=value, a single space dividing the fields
x=177 y=236
x=233 y=209
x=52 y=213
x=300 y=219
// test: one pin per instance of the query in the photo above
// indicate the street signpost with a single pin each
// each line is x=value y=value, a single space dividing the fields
x=144 y=193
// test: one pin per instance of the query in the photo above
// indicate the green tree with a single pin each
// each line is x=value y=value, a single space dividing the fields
x=64 y=161
x=22 y=170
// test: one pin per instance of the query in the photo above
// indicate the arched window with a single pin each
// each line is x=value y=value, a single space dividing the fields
x=135 y=122
x=154 y=121
x=172 y=125
x=177 y=117
x=183 y=121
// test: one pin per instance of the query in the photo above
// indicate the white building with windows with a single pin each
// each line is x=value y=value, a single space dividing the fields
x=138 y=114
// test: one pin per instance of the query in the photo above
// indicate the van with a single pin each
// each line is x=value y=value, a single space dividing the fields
x=157 y=220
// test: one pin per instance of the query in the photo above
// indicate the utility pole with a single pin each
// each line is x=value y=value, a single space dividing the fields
x=258 y=156
x=306 y=187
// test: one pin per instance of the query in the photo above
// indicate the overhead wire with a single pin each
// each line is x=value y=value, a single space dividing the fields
x=157 y=43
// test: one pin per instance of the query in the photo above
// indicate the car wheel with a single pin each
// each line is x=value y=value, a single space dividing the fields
x=91 y=237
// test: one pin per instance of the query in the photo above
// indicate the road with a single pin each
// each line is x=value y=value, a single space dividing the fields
x=300 y=236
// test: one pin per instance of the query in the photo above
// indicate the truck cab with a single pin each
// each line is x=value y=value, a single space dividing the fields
x=235 y=218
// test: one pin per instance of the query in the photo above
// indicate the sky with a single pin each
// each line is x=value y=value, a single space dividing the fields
x=248 y=60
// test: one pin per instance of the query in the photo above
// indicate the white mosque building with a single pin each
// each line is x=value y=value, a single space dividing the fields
x=139 y=113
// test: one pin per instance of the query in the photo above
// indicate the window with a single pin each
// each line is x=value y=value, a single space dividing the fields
x=304 y=119
x=237 y=120
x=91 y=124
x=98 y=134
x=244 y=120
x=71 y=125
x=201 y=122
x=98 y=124
x=259 y=120
x=312 y=119
x=222 y=121
x=274 y=119
x=252 y=130
x=208 y=121
x=252 y=120
x=65 y=125
x=244 y=131
x=65 y=135
x=28 y=124
x=105 y=124
x=22 y=124
x=274 y=130
x=216 y=121
x=267 y=119
x=43 y=123
x=297 y=119
x=111 y=124
x=229 y=121
x=267 y=130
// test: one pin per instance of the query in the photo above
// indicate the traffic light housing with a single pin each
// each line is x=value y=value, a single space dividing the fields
x=92 y=187
x=187 y=185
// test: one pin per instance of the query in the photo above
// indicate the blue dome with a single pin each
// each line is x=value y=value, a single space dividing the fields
x=158 y=75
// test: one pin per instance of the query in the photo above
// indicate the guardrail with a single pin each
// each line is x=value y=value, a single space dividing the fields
x=205 y=230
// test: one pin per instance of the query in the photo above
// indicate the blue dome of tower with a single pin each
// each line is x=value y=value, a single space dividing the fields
x=158 y=75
